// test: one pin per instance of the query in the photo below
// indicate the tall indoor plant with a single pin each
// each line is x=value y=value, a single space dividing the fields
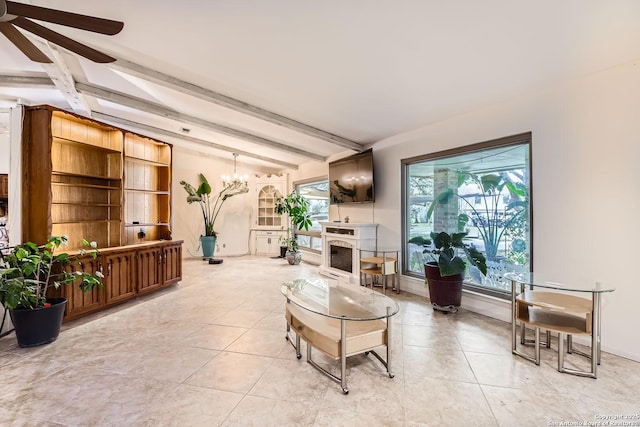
x=210 y=209
x=296 y=208
x=446 y=270
x=27 y=274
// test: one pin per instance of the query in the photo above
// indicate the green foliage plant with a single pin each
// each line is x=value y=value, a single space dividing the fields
x=29 y=270
x=296 y=208
x=443 y=249
x=211 y=208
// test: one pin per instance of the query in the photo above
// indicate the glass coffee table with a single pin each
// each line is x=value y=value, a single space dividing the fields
x=338 y=319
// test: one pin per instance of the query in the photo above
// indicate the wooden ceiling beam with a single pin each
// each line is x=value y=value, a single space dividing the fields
x=165 y=80
x=134 y=126
x=160 y=110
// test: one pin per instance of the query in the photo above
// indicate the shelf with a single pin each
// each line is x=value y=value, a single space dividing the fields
x=103 y=187
x=82 y=175
x=145 y=161
x=100 y=205
x=85 y=145
x=132 y=190
x=145 y=224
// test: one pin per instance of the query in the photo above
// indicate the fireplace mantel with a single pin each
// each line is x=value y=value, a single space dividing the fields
x=353 y=236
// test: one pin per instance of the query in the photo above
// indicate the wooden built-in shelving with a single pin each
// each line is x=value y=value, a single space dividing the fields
x=92 y=181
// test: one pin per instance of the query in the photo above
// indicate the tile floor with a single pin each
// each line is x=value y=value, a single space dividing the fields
x=211 y=351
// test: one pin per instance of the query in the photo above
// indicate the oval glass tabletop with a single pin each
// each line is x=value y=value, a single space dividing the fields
x=540 y=281
x=330 y=298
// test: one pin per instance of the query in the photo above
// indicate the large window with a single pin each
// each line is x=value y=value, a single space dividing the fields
x=317 y=194
x=483 y=189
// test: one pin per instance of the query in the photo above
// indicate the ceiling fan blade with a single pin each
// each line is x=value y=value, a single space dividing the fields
x=68 y=19
x=23 y=43
x=63 y=41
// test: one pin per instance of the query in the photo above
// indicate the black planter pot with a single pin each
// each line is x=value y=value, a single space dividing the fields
x=445 y=292
x=283 y=251
x=38 y=326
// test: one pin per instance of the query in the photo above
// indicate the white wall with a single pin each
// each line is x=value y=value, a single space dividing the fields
x=585 y=184
x=236 y=218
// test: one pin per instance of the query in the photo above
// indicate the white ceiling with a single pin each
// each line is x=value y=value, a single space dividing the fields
x=362 y=70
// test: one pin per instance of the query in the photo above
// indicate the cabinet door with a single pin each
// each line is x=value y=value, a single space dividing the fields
x=172 y=261
x=149 y=266
x=78 y=302
x=119 y=282
x=263 y=243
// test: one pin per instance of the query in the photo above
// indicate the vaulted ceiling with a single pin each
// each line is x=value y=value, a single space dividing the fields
x=285 y=82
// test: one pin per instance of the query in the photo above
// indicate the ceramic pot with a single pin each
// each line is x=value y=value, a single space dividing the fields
x=208 y=244
x=445 y=292
x=294 y=257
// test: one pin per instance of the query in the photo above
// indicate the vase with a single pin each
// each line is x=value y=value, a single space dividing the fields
x=40 y=325
x=445 y=292
x=208 y=244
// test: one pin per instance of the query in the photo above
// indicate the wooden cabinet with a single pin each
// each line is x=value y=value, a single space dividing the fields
x=88 y=180
x=4 y=186
x=128 y=272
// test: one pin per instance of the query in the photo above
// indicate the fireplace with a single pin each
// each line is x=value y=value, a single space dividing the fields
x=341 y=256
x=341 y=245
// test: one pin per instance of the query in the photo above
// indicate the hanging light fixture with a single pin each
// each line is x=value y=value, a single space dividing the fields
x=237 y=181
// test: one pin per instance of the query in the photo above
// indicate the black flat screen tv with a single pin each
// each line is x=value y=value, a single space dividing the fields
x=351 y=179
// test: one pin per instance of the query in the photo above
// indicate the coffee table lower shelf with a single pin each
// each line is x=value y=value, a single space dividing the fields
x=332 y=337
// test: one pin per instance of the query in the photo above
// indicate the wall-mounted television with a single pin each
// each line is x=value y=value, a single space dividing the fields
x=351 y=179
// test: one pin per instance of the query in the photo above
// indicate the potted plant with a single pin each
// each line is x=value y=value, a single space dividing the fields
x=210 y=211
x=445 y=272
x=27 y=274
x=296 y=208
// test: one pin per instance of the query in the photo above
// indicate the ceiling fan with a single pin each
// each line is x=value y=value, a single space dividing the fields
x=14 y=15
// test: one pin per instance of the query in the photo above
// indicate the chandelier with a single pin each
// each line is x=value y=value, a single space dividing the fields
x=236 y=181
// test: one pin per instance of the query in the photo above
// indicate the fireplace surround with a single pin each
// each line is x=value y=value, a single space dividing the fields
x=341 y=244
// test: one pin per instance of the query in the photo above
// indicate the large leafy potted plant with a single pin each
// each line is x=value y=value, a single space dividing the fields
x=27 y=274
x=296 y=208
x=210 y=209
x=445 y=272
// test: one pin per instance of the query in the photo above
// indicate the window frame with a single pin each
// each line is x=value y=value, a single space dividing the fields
x=518 y=139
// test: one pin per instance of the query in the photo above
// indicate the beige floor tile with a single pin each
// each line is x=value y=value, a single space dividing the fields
x=263 y=412
x=344 y=417
x=259 y=342
x=231 y=372
x=293 y=381
x=429 y=336
x=241 y=318
x=507 y=371
x=188 y=406
x=422 y=363
x=437 y=402
x=216 y=337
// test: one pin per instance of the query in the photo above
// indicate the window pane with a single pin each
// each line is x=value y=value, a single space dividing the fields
x=317 y=195
x=484 y=193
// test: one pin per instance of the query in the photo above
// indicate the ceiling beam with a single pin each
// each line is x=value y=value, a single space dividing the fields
x=62 y=78
x=161 y=110
x=27 y=82
x=134 y=126
x=231 y=103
